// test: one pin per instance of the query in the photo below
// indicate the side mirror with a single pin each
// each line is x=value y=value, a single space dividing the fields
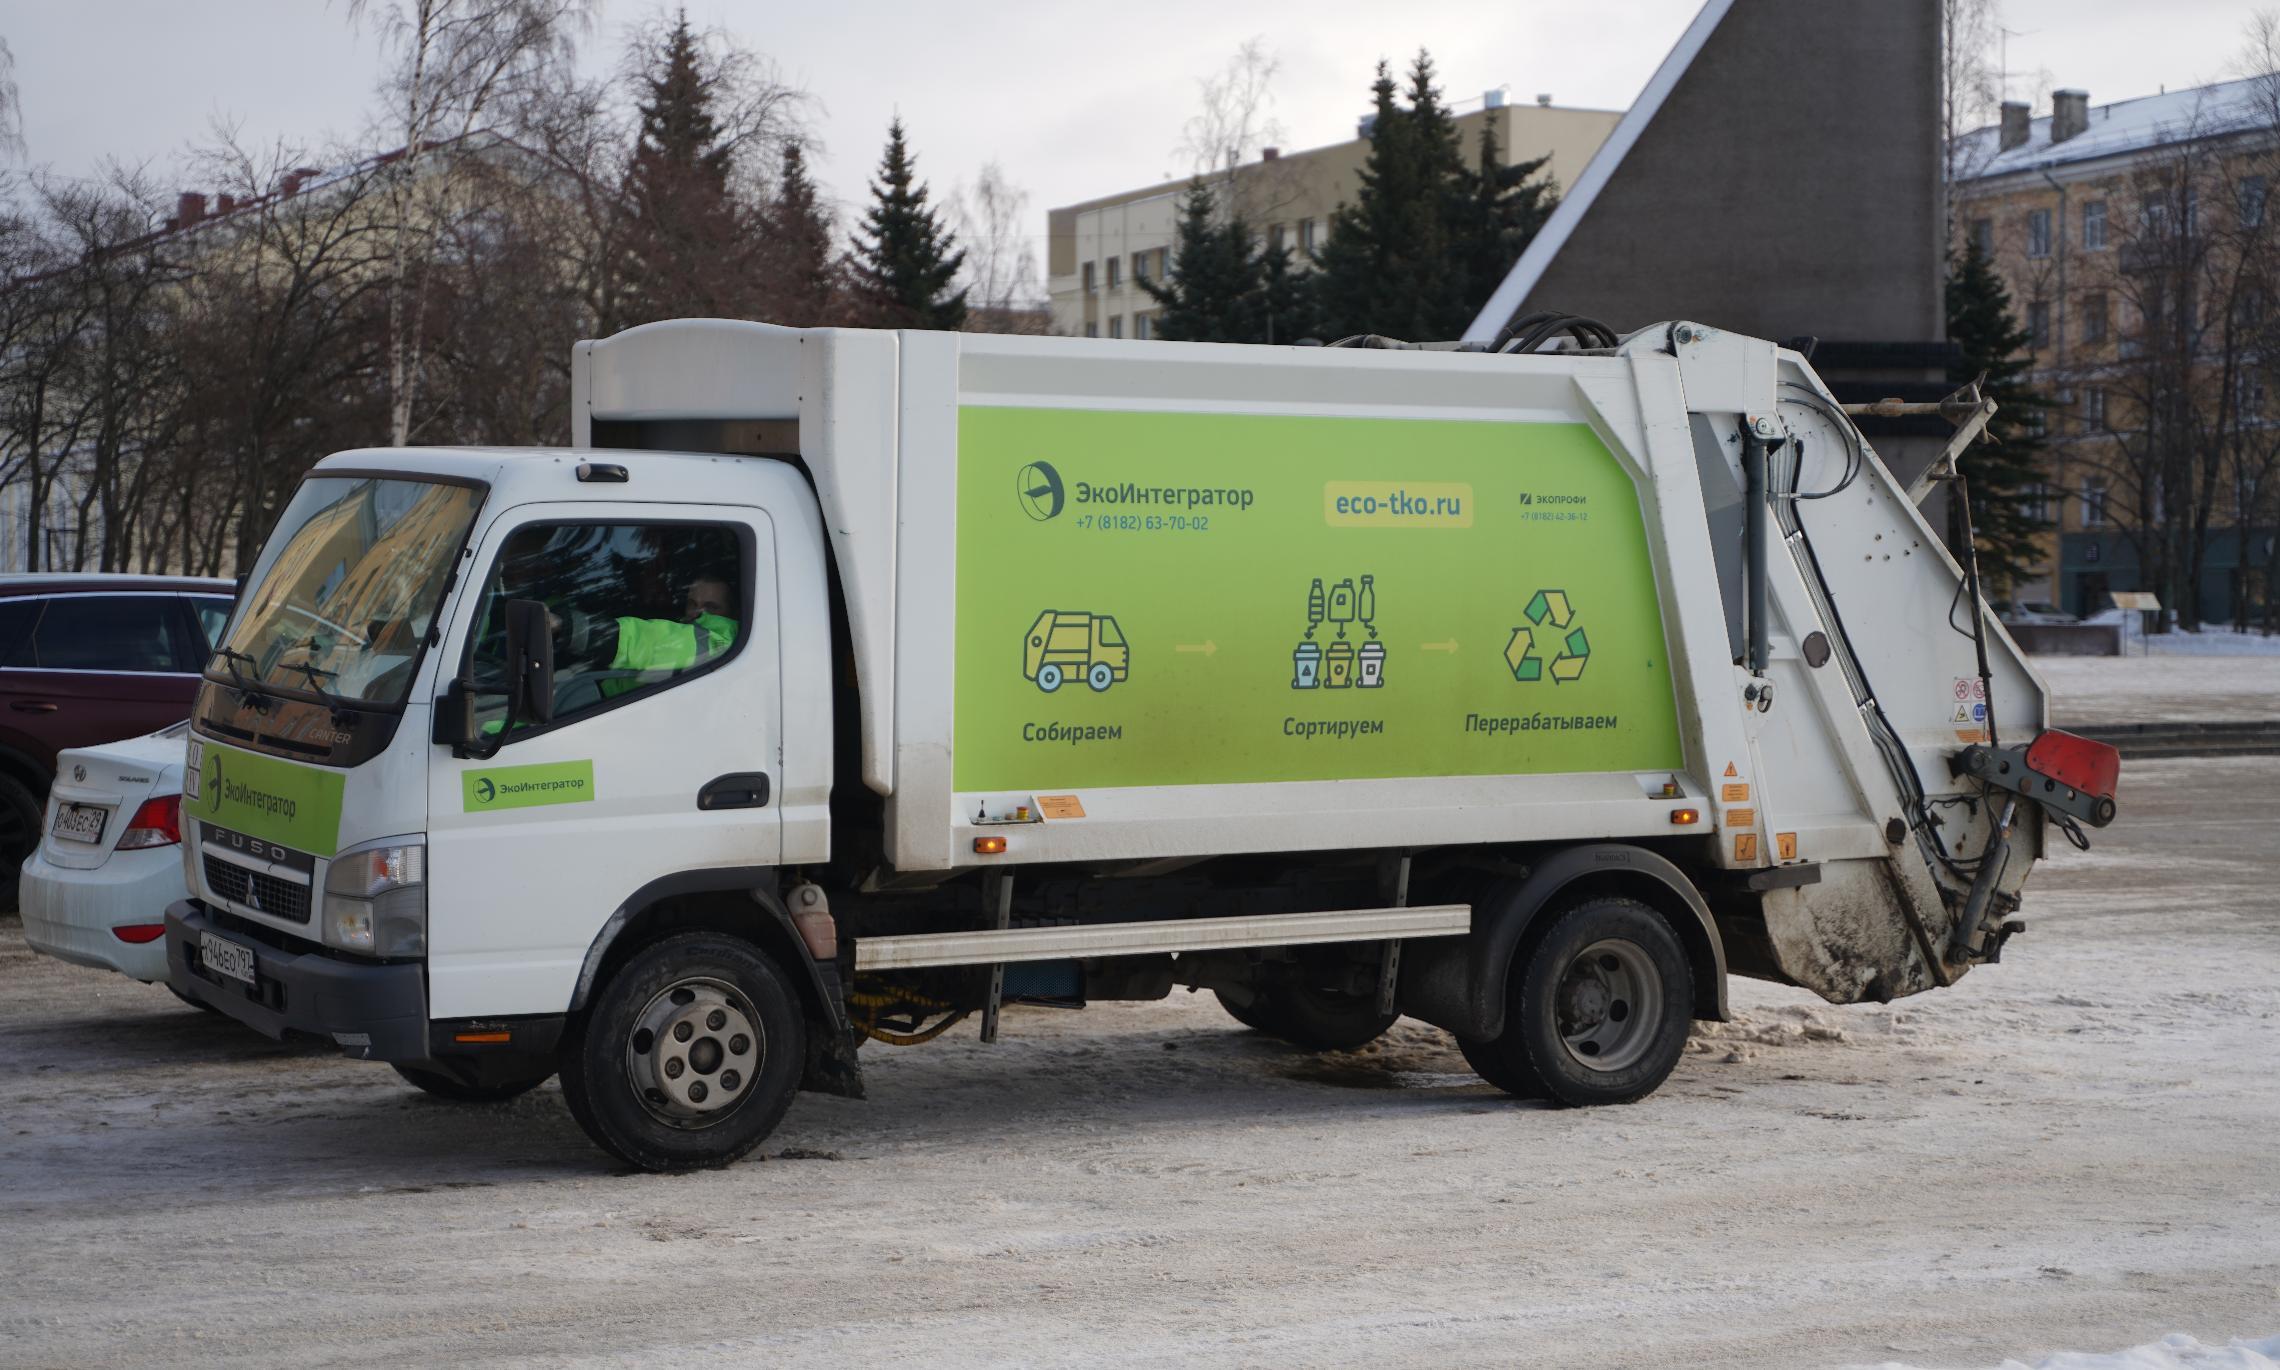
x=530 y=663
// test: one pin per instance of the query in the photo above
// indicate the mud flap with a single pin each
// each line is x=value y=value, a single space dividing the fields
x=831 y=1064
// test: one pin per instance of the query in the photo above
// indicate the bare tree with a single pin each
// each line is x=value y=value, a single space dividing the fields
x=2180 y=402
x=11 y=106
x=1001 y=262
x=457 y=60
x=1971 y=84
x=1233 y=123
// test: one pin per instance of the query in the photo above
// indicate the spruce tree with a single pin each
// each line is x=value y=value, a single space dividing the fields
x=906 y=260
x=1211 y=294
x=2003 y=471
x=1509 y=205
x=800 y=275
x=1393 y=263
x=685 y=252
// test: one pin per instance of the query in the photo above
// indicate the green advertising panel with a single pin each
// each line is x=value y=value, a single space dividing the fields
x=278 y=801
x=1179 y=599
x=524 y=787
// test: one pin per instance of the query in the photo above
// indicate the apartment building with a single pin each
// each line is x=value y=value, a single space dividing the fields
x=1099 y=252
x=2133 y=239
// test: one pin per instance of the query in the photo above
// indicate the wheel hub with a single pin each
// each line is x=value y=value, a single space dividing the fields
x=1609 y=1005
x=693 y=1053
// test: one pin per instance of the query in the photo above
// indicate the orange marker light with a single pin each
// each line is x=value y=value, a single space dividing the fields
x=989 y=846
x=482 y=1037
x=1685 y=817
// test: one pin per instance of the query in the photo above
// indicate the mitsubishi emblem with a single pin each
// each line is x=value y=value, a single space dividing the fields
x=79 y=774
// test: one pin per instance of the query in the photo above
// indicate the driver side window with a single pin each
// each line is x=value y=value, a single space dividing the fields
x=633 y=608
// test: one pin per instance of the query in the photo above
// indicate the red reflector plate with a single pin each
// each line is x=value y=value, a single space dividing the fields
x=139 y=933
x=2091 y=767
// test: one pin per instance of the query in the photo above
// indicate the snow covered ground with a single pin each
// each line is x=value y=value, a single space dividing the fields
x=2176 y=1351
x=2071 y=1151
x=2088 y=691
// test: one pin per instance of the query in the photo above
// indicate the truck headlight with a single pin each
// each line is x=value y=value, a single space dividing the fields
x=376 y=900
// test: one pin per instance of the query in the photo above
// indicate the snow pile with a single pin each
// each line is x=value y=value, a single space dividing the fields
x=2173 y=1352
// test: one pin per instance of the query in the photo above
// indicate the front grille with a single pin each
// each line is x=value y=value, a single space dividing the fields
x=284 y=899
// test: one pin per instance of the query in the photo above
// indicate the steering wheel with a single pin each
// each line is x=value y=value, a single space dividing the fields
x=566 y=691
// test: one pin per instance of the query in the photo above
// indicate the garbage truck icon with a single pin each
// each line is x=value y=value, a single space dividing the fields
x=1064 y=645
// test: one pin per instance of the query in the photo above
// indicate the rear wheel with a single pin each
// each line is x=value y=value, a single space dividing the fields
x=1597 y=1014
x=688 y=1056
x=1048 y=678
x=459 y=1091
x=20 y=813
x=1311 y=1019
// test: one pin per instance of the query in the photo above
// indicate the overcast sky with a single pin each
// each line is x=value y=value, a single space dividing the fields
x=1074 y=100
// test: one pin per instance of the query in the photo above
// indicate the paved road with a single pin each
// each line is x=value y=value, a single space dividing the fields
x=2073 y=1149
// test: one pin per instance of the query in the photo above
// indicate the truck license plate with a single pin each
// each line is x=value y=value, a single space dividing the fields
x=224 y=957
x=80 y=822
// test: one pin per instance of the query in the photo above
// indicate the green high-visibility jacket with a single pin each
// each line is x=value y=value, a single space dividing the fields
x=662 y=644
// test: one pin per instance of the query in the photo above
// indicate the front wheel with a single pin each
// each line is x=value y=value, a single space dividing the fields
x=688 y=1055
x=1100 y=677
x=1599 y=1012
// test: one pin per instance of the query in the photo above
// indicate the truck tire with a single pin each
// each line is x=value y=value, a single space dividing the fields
x=1311 y=1019
x=1100 y=677
x=688 y=1055
x=1597 y=1013
x=458 y=1091
x=1048 y=678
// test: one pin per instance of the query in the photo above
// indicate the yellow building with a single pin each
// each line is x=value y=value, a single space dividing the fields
x=1099 y=251
x=2103 y=221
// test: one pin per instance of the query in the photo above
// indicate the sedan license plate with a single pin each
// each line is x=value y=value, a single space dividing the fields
x=80 y=822
x=227 y=958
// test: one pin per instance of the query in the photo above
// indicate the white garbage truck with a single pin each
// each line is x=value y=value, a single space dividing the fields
x=835 y=686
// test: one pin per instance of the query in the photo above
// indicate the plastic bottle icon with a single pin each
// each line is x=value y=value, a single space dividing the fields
x=1365 y=607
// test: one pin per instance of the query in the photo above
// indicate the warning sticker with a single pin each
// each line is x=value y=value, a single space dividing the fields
x=1745 y=846
x=1052 y=806
x=1969 y=688
x=1730 y=771
x=1734 y=794
x=1741 y=818
x=1785 y=846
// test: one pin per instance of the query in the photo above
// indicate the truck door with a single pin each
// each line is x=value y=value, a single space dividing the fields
x=662 y=757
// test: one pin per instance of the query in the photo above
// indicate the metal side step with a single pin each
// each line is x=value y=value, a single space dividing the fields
x=915 y=950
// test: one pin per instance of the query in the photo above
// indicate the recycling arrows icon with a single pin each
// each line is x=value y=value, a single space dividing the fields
x=1551 y=637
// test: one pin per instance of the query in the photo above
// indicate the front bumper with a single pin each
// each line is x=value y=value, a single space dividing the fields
x=373 y=1010
x=69 y=913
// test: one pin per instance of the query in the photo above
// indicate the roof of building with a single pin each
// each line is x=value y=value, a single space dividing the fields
x=2125 y=126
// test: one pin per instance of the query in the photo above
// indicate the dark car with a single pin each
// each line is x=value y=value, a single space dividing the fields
x=86 y=659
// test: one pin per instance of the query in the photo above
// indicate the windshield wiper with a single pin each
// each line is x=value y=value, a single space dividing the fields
x=342 y=711
x=249 y=692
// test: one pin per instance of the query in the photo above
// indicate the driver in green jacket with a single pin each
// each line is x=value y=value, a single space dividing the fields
x=707 y=628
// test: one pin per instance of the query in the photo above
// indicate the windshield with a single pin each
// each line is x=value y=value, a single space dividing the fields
x=343 y=595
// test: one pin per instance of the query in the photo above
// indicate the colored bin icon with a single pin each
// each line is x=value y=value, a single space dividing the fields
x=1338 y=666
x=1306 y=667
x=1372 y=665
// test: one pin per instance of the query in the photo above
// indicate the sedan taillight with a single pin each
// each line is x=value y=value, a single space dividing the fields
x=158 y=823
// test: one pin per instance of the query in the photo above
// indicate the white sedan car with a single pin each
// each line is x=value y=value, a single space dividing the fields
x=110 y=858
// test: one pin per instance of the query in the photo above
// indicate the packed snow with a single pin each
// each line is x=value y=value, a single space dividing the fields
x=2177 y=1351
